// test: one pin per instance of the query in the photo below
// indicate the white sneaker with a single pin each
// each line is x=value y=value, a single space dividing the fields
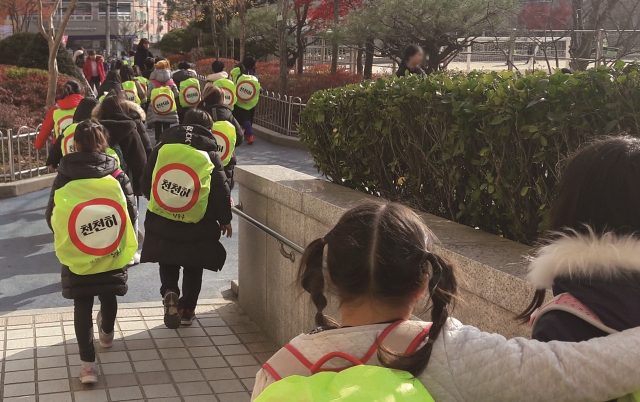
x=106 y=340
x=89 y=373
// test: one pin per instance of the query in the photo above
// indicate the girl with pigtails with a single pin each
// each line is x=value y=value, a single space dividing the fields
x=379 y=260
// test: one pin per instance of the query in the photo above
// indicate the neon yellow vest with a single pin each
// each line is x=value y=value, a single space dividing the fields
x=634 y=397
x=100 y=99
x=130 y=91
x=180 y=192
x=163 y=100
x=189 y=92
x=92 y=229
x=62 y=118
x=356 y=384
x=235 y=73
x=247 y=91
x=225 y=134
x=68 y=145
x=229 y=90
x=143 y=81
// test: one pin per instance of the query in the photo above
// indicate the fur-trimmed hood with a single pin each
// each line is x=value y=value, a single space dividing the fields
x=585 y=256
x=133 y=107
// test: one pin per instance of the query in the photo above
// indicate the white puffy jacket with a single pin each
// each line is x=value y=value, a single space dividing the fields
x=470 y=365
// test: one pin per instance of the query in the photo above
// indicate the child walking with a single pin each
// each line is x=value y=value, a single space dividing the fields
x=189 y=208
x=162 y=112
x=247 y=94
x=380 y=261
x=91 y=209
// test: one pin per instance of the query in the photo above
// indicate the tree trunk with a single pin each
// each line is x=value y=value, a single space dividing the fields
x=283 y=7
x=241 y=11
x=359 y=66
x=335 y=44
x=53 y=76
x=368 y=58
x=214 y=36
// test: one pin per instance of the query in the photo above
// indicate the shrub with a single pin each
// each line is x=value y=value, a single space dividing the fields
x=36 y=55
x=481 y=149
x=17 y=73
x=12 y=47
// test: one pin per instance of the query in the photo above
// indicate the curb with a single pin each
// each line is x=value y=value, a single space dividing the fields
x=21 y=187
x=277 y=138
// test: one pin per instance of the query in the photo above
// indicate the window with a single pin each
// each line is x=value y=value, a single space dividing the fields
x=120 y=11
x=81 y=13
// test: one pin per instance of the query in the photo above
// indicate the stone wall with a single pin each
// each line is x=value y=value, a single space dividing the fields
x=303 y=208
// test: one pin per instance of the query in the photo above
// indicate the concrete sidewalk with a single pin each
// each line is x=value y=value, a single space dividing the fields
x=216 y=359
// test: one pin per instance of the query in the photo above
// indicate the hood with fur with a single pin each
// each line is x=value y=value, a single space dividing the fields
x=585 y=256
x=134 y=109
x=162 y=75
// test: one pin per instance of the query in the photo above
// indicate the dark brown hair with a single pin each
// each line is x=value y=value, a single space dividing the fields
x=91 y=136
x=211 y=96
x=599 y=191
x=198 y=117
x=126 y=73
x=381 y=252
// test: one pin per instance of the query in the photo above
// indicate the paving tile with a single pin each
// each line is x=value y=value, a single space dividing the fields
x=236 y=319
x=125 y=393
x=175 y=399
x=27 y=388
x=155 y=323
x=136 y=334
x=54 y=361
x=159 y=391
x=246 y=328
x=241 y=360
x=263 y=357
x=225 y=340
x=20 y=334
x=49 y=340
x=113 y=357
x=118 y=346
x=25 y=319
x=175 y=353
x=48 y=331
x=150 y=312
x=69 y=330
x=130 y=312
x=191 y=331
x=200 y=398
x=60 y=397
x=54 y=373
x=52 y=386
x=235 y=397
x=169 y=343
x=153 y=378
x=194 y=388
x=149 y=365
x=260 y=347
x=221 y=373
x=204 y=351
x=50 y=317
x=17 y=365
x=50 y=351
x=212 y=322
x=139 y=344
x=251 y=337
x=186 y=376
x=217 y=331
x=30 y=398
x=93 y=395
x=14 y=377
x=116 y=368
x=197 y=341
x=18 y=354
x=120 y=380
x=246 y=371
x=132 y=325
x=20 y=343
x=249 y=382
x=159 y=333
x=222 y=386
x=229 y=350
x=181 y=364
x=211 y=362
x=147 y=354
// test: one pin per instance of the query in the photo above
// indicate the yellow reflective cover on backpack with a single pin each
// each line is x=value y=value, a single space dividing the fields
x=189 y=92
x=356 y=384
x=162 y=100
x=143 y=81
x=68 y=145
x=62 y=118
x=247 y=91
x=229 y=90
x=180 y=183
x=131 y=91
x=225 y=135
x=92 y=229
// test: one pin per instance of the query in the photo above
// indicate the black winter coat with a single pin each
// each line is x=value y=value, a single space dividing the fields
x=84 y=165
x=404 y=71
x=220 y=112
x=188 y=244
x=141 y=56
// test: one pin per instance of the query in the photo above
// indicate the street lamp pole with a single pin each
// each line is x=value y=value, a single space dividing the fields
x=107 y=28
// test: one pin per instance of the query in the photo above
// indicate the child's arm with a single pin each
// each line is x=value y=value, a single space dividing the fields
x=55 y=152
x=48 y=213
x=125 y=184
x=239 y=134
x=220 y=195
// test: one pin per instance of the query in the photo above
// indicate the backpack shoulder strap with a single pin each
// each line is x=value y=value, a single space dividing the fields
x=158 y=83
x=567 y=303
x=116 y=173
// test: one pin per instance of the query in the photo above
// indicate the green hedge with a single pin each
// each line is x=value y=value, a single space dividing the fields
x=482 y=149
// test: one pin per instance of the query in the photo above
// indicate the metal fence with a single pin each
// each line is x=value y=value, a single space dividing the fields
x=280 y=113
x=20 y=160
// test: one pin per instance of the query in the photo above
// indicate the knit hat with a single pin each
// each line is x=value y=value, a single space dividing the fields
x=84 y=109
x=162 y=65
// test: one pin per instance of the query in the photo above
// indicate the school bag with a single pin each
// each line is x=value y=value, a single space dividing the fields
x=247 y=91
x=92 y=229
x=225 y=134
x=131 y=91
x=568 y=303
x=143 y=81
x=162 y=99
x=80 y=60
x=68 y=145
x=229 y=90
x=62 y=118
x=180 y=192
x=189 y=92
x=358 y=382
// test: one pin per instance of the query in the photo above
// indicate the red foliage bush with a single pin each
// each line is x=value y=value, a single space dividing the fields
x=22 y=101
x=203 y=67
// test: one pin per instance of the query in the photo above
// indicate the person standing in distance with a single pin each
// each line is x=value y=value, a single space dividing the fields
x=411 y=62
x=142 y=53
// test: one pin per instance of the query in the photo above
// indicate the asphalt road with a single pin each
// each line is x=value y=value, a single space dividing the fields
x=30 y=271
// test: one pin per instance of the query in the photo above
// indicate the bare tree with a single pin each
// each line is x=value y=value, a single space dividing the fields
x=283 y=10
x=53 y=38
x=20 y=13
x=126 y=33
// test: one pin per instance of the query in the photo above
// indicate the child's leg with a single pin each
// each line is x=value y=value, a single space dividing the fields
x=191 y=285
x=83 y=323
x=169 y=275
x=109 y=311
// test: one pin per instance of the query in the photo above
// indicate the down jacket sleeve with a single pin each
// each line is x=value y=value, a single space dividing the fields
x=147 y=172
x=125 y=184
x=220 y=195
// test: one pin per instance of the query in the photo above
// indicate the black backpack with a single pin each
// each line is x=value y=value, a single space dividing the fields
x=80 y=60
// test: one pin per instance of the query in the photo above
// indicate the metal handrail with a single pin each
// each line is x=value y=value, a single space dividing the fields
x=280 y=238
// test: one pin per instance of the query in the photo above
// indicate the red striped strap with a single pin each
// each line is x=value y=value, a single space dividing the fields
x=381 y=338
x=116 y=173
x=271 y=371
x=418 y=340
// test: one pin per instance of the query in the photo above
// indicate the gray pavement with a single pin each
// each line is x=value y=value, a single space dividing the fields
x=30 y=271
